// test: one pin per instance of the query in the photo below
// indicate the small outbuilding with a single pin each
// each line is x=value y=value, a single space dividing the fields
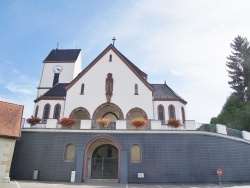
x=10 y=127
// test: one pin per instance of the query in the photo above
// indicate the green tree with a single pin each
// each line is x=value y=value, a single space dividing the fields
x=236 y=111
x=239 y=67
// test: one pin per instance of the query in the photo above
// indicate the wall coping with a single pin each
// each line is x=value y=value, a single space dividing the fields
x=136 y=132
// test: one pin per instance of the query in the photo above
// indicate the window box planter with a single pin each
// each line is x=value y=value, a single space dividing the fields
x=67 y=122
x=103 y=122
x=139 y=122
x=175 y=123
x=33 y=120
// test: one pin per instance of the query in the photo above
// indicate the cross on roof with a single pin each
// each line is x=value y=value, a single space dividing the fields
x=113 y=41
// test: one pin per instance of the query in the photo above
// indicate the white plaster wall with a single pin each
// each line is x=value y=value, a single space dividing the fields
x=166 y=104
x=123 y=88
x=40 y=92
x=221 y=129
x=52 y=103
x=246 y=135
x=78 y=65
x=66 y=75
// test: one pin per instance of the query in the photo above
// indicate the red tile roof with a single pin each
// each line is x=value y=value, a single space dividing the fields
x=10 y=119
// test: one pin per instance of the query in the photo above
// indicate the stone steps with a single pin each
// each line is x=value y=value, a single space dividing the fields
x=88 y=180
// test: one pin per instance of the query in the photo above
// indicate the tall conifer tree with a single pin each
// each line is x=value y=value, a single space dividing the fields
x=239 y=67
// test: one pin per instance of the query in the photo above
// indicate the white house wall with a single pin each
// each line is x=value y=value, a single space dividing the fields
x=178 y=105
x=52 y=103
x=78 y=65
x=123 y=88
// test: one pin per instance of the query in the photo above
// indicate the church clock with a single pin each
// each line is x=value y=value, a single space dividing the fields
x=57 y=69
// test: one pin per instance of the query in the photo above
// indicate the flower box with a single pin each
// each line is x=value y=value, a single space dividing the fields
x=33 y=120
x=174 y=123
x=103 y=121
x=67 y=122
x=139 y=122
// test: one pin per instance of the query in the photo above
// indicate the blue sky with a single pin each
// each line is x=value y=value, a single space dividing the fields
x=183 y=42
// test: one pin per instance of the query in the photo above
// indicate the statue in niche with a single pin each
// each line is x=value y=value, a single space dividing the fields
x=109 y=87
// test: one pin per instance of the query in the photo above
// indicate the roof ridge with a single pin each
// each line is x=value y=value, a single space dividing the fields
x=141 y=75
x=174 y=92
x=11 y=103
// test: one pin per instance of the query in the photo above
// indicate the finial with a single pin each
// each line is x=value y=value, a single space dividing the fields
x=113 y=41
x=165 y=82
x=57 y=45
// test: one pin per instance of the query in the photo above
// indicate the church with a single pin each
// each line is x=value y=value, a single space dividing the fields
x=112 y=87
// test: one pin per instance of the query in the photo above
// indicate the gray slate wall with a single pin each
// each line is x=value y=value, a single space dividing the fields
x=165 y=157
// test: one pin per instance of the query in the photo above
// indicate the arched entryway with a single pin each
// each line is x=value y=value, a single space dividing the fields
x=79 y=114
x=136 y=113
x=102 y=159
x=108 y=109
x=104 y=162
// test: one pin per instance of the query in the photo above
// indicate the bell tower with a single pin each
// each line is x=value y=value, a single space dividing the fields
x=60 y=66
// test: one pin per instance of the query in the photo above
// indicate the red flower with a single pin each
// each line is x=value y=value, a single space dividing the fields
x=139 y=122
x=33 y=120
x=67 y=122
x=103 y=121
x=174 y=123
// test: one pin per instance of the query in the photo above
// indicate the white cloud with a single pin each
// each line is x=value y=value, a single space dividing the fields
x=187 y=37
x=174 y=72
x=183 y=42
x=21 y=89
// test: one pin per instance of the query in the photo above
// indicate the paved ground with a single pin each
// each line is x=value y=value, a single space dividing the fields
x=33 y=184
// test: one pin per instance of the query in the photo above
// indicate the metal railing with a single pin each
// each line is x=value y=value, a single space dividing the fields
x=96 y=126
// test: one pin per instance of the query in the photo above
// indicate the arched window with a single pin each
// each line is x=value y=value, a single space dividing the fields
x=161 y=113
x=135 y=153
x=110 y=58
x=136 y=89
x=171 y=111
x=69 y=153
x=183 y=115
x=36 y=112
x=82 y=89
x=57 y=111
x=46 y=112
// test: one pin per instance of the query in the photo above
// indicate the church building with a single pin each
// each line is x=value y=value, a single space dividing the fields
x=110 y=87
x=123 y=131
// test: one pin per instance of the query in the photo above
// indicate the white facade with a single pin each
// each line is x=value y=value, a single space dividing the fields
x=70 y=69
x=123 y=88
x=86 y=90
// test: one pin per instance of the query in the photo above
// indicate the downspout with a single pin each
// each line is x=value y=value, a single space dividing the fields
x=64 y=106
x=153 y=98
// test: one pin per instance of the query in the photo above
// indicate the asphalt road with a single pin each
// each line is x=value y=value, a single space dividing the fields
x=33 y=184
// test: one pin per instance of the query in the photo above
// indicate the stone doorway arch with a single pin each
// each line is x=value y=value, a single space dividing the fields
x=79 y=114
x=135 y=113
x=108 y=108
x=99 y=147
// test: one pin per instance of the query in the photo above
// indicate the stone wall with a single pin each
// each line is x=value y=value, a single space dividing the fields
x=6 y=152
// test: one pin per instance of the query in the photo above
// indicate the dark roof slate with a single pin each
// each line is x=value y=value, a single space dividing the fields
x=57 y=91
x=139 y=71
x=163 y=91
x=63 y=55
